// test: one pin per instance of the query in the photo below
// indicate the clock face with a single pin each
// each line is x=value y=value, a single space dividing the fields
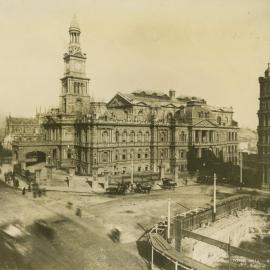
x=77 y=66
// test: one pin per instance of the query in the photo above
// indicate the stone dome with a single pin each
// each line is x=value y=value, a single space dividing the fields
x=74 y=25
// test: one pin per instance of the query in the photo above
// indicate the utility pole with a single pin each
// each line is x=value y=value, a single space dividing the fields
x=132 y=170
x=241 y=168
x=215 y=197
x=152 y=258
x=169 y=220
x=229 y=252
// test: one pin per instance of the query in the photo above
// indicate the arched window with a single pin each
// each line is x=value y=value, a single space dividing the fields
x=169 y=117
x=117 y=136
x=139 y=155
x=139 y=136
x=105 y=157
x=69 y=154
x=132 y=136
x=105 y=137
x=124 y=136
x=146 y=136
x=219 y=120
x=182 y=137
x=140 y=115
x=162 y=137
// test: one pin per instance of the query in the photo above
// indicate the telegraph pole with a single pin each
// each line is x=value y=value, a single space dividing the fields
x=229 y=252
x=132 y=170
x=241 y=168
x=169 y=220
x=215 y=197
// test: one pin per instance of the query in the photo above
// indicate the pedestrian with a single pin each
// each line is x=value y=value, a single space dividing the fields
x=67 y=181
x=23 y=191
x=78 y=212
x=186 y=181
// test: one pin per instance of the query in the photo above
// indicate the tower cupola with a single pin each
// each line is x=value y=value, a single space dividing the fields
x=74 y=34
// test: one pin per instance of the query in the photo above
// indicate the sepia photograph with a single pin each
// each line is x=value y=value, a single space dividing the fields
x=135 y=135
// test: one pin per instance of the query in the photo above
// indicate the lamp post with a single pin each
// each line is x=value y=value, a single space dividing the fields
x=241 y=168
x=169 y=220
x=132 y=170
x=215 y=197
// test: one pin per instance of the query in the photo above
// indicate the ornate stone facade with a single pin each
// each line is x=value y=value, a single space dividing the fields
x=144 y=130
x=151 y=131
x=20 y=129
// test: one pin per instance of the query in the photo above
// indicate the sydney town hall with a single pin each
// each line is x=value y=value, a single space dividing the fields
x=153 y=131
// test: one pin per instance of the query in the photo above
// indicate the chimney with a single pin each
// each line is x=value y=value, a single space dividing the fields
x=172 y=93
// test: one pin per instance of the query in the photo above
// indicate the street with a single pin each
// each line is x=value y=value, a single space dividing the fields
x=88 y=242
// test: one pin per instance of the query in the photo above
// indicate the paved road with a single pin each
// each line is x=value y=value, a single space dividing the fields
x=86 y=242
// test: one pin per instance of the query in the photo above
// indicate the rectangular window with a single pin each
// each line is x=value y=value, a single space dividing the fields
x=139 y=155
x=123 y=156
x=146 y=155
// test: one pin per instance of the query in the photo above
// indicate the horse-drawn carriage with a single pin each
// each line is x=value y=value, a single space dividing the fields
x=142 y=188
x=123 y=188
x=168 y=183
x=117 y=188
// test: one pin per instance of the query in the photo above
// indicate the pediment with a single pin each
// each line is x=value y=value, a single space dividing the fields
x=141 y=104
x=204 y=123
x=118 y=101
x=169 y=105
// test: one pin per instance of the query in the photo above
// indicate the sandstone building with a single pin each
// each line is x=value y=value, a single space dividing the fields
x=144 y=130
x=19 y=129
x=264 y=129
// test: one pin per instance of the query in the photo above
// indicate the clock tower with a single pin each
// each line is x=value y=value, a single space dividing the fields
x=74 y=96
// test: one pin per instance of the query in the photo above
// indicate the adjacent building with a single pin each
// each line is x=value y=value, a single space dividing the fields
x=264 y=129
x=19 y=129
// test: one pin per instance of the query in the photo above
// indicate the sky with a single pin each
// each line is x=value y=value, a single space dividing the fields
x=209 y=48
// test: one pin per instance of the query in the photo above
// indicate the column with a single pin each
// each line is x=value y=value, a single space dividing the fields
x=199 y=153
x=210 y=136
x=207 y=136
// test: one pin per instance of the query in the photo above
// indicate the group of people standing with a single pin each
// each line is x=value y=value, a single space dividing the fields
x=10 y=177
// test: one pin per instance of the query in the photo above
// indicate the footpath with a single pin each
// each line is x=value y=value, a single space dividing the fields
x=77 y=184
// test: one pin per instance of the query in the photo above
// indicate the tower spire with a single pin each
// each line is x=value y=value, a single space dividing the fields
x=267 y=71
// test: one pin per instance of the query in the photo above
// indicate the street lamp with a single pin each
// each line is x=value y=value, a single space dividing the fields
x=215 y=197
x=169 y=220
x=132 y=169
x=241 y=167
